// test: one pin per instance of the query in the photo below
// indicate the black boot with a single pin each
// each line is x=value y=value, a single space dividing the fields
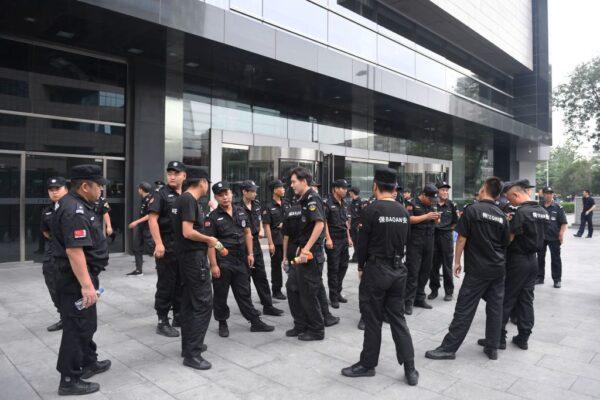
x=270 y=310
x=521 y=341
x=411 y=374
x=330 y=320
x=308 y=336
x=223 y=329
x=96 y=368
x=259 y=326
x=342 y=299
x=433 y=294
x=334 y=302
x=197 y=363
x=422 y=304
x=408 y=308
x=440 y=354
x=293 y=332
x=279 y=296
x=501 y=345
x=176 y=321
x=164 y=328
x=491 y=353
x=76 y=387
x=55 y=327
x=357 y=370
x=135 y=272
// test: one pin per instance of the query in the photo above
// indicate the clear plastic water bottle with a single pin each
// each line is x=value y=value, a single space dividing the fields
x=79 y=303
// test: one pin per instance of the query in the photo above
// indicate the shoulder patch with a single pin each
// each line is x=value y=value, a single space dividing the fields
x=207 y=223
x=312 y=207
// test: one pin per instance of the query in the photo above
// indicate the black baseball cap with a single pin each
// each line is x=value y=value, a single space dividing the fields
x=276 y=183
x=386 y=176
x=354 y=190
x=249 y=186
x=194 y=174
x=441 y=185
x=524 y=183
x=176 y=166
x=56 y=182
x=341 y=183
x=430 y=191
x=220 y=187
x=88 y=172
x=548 y=189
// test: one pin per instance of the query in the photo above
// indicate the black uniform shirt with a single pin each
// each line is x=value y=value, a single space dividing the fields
x=312 y=211
x=229 y=229
x=408 y=204
x=75 y=223
x=273 y=215
x=449 y=216
x=529 y=227
x=337 y=218
x=161 y=203
x=291 y=226
x=384 y=233
x=145 y=204
x=45 y=225
x=102 y=206
x=588 y=202
x=425 y=227
x=558 y=218
x=486 y=228
x=187 y=208
x=254 y=216
x=355 y=211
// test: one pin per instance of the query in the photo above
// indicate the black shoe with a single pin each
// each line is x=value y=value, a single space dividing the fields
x=270 y=310
x=408 y=309
x=576 y=235
x=423 y=304
x=539 y=281
x=223 y=329
x=501 y=346
x=293 y=332
x=330 y=320
x=342 y=299
x=448 y=297
x=197 y=363
x=557 y=285
x=165 y=329
x=176 y=322
x=588 y=237
x=259 y=326
x=410 y=373
x=357 y=371
x=521 y=342
x=307 y=336
x=135 y=272
x=334 y=304
x=279 y=296
x=361 y=324
x=77 y=388
x=202 y=349
x=491 y=353
x=433 y=295
x=55 y=327
x=439 y=354
x=96 y=368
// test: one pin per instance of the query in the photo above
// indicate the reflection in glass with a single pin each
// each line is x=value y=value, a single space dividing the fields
x=360 y=175
x=10 y=182
x=298 y=15
x=231 y=116
x=352 y=37
x=430 y=71
x=268 y=122
x=395 y=56
x=331 y=134
x=115 y=193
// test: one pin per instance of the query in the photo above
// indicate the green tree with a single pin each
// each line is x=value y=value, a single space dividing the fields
x=579 y=99
x=561 y=159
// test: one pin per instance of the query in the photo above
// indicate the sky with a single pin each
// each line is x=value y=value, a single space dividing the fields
x=574 y=39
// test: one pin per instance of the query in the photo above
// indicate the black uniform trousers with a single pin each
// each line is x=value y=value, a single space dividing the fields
x=586 y=220
x=471 y=291
x=442 y=255
x=305 y=292
x=259 y=275
x=234 y=274
x=555 y=260
x=381 y=290
x=49 y=271
x=168 y=285
x=77 y=347
x=354 y=237
x=419 y=257
x=196 y=301
x=521 y=275
x=276 y=274
x=337 y=265
x=142 y=244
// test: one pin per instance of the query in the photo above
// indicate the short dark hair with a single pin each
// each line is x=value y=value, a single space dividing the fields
x=385 y=187
x=587 y=191
x=354 y=190
x=302 y=174
x=493 y=186
x=145 y=186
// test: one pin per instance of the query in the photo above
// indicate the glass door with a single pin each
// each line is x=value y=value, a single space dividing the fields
x=287 y=165
x=10 y=209
x=115 y=195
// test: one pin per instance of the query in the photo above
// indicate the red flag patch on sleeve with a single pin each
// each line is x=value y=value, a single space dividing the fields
x=207 y=224
x=80 y=234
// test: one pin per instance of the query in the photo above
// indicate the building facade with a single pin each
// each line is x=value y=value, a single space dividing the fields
x=437 y=89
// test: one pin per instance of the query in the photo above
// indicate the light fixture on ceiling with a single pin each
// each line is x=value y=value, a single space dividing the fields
x=387 y=110
x=337 y=97
x=172 y=54
x=134 y=50
x=269 y=79
x=65 y=34
x=30 y=19
x=191 y=64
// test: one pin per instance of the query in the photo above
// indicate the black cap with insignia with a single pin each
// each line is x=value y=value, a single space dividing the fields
x=249 y=186
x=56 y=182
x=430 y=191
x=524 y=183
x=194 y=174
x=177 y=166
x=88 y=172
x=441 y=185
x=386 y=176
x=220 y=187
x=548 y=189
x=276 y=183
x=341 y=183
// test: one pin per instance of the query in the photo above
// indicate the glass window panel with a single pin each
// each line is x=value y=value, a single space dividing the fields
x=251 y=7
x=331 y=135
x=302 y=130
x=235 y=169
x=231 y=116
x=360 y=174
x=358 y=139
x=10 y=181
x=196 y=130
x=395 y=56
x=430 y=71
x=298 y=15
x=351 y=37
x=268 y=122
x=115 y=193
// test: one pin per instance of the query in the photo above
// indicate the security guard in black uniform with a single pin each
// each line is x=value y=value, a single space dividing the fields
x=191 y=245
x=272 y=216
x=382 y=240
x=80 y=253
x=555 y=233
x=229 y=223
x=103 y=210
x=355 y=212
x=258 y=272
x=57 y=188
x=527 y=228
x=407 y=199
x=168 y=290
x=483 y=234
x=419 y=252
x=337 y=240
x=142 y=239
x=443 y=243
x=305 y=283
